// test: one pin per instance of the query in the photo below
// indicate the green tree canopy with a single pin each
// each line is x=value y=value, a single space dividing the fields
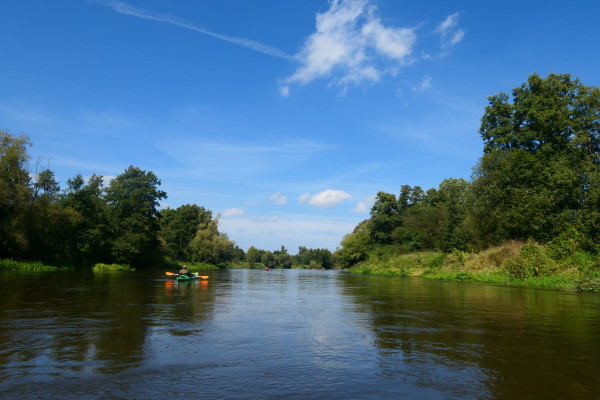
x=539 y=173
x=133 y=199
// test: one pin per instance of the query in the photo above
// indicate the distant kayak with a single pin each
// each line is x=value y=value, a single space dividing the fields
x=267 y=269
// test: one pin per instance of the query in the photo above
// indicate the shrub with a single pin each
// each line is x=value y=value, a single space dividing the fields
x=532 y=261
x=566 y=244
x=111 y=267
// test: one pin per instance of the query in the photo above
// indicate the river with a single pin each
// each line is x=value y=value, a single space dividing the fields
x=291 y=334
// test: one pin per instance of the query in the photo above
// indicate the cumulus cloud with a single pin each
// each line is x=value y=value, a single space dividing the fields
x=348 y=38
x=364 y=205
x=449 y=31
x=328 y=198
x=278 y=199
x=232 y=212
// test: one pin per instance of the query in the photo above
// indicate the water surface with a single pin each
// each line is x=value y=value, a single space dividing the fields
x=250 y=334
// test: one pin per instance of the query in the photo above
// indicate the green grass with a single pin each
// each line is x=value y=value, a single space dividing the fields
x=111 y=268
x=513 y=264
x=12 y=265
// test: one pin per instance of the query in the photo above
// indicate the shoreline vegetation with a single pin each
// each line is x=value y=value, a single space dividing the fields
x=518 y=264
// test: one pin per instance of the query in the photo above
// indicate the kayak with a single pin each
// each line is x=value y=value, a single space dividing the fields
x=195 y=275
x=188 y=277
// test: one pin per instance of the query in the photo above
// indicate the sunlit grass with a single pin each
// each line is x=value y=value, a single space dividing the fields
x=111 y=268
x=513 y=264
x=12 y=265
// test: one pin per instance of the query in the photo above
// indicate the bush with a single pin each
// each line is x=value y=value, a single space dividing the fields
x=566 y=244
x=532 y=261
x=111 y=267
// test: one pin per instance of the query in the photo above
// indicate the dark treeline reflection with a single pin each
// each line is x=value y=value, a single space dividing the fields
x=66 y=323
x=511 y=342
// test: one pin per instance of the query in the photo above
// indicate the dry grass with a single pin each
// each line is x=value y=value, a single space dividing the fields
x=494 y=258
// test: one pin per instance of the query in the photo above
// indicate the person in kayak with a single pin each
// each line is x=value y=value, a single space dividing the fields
x=184 y=271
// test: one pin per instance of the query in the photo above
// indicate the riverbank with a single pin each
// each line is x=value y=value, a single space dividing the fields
x=512 y=264
x=12 y=265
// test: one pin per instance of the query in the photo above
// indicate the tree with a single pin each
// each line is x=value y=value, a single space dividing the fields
x=539 y=173
x=211 y=246
x=253 y=256
x=385 y=217
x=92 y=239
x=355 y=246
x=14 y=193
x=268 y=259
x=179 y=227
x=133 y=199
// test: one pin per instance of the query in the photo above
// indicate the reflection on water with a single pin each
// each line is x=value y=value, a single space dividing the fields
x=295 y=334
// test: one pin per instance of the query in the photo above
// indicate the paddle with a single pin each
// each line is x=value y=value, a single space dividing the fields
x=199 y=276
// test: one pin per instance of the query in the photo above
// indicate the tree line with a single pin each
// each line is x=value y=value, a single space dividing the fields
x=538 y=179
x=88 y=223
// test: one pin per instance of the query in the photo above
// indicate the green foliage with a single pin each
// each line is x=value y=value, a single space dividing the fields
x=111 y=268
x=538 y=176
x=210 y=246
x=314 y=258
x=567 y=244
x=354 y=246
x=532 y=261
x=179 y=227
x=253 y=256
x=132 y=198
x=385 y=217
x=268 y=259
x=14 y=265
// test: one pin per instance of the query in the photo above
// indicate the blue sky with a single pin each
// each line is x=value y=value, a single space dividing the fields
x=286 y=117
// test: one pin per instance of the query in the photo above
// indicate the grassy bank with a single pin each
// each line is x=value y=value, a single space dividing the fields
x=12 y=265
x=513 y=264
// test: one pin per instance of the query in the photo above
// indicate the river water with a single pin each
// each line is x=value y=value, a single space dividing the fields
x=291 y=334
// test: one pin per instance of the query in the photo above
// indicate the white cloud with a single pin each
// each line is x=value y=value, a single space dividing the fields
x=303 y=198
x=424 y=85
x=284 y=90
x=365 y=205
x=394 y=43
x=128 y=9
x=449 y=31
x=278 y=199
x=347 y=40
x=232 y=212
x=328 y=198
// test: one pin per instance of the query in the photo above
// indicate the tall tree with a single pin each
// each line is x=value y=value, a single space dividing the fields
x=385 y=217
x=92 y=240
x=539 y=172
x=178 y=228
x=133 y=199
x=15 y=193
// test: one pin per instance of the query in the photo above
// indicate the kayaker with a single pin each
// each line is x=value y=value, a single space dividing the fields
x=184 y=271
